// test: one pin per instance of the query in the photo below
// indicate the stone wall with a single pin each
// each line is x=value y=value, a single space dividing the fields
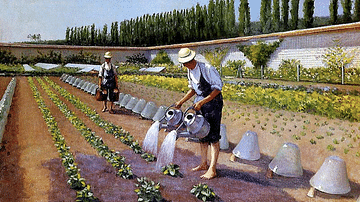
x=306 y=45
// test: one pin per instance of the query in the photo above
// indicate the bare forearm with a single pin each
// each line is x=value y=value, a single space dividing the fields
x=211 y=96
x=186 y=97
x=207 y=99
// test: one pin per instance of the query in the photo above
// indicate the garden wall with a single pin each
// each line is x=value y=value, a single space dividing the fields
x=306 y=45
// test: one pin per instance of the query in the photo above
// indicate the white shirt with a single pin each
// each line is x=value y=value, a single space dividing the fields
x=106 y=66
x=210 y=74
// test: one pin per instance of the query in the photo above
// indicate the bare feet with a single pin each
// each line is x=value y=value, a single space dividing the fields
x=200 y=167
x=210 y=174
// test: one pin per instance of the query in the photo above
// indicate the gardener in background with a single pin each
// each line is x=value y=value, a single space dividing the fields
x=108 y=81
x=204 y=81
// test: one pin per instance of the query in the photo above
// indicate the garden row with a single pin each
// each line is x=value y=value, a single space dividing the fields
x=146 y=189
x=325 y=104
x=68 y=161
x=5 y=104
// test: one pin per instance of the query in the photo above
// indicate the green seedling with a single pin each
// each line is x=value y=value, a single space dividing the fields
x=312 y=141
x=320 y=137
x=330 y=147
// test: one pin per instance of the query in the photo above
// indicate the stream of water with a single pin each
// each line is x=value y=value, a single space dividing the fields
x=166 y=154
x=151 y=139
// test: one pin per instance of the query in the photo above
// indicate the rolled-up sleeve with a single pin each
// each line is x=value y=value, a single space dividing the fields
x=101 y=71
x=189 y=81
x=212 y=76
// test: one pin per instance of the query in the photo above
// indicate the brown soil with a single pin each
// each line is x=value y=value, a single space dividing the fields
x=31 y=169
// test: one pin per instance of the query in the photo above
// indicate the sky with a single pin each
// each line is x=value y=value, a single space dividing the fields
x=50 y=18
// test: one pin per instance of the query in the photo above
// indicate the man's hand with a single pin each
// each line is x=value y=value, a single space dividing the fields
x=177 y=104
x=197 y=106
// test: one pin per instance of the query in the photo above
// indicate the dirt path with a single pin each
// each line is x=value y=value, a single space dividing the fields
x=31 y=169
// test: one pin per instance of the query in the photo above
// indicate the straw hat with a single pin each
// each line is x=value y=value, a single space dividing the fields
x=186 y=55
x=108 y=55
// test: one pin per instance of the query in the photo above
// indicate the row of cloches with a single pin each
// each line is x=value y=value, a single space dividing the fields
x=331 y=178
x=5 y=104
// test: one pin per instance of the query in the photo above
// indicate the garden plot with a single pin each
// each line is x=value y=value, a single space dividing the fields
x=274 y=128
x=29 y=151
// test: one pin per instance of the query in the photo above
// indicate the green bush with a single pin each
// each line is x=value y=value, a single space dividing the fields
x=287 y=70
x=83 y=58
x=162 y=58
x=137 y=59
x=216 y=56
x=6 y=57
x=259 y=53
x=236 y=67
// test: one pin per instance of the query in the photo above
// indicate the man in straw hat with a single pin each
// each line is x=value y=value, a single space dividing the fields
x=204 y=81
x=108 y=81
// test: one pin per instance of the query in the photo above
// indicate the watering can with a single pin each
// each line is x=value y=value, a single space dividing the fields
x=196 y=127
x=173 y=118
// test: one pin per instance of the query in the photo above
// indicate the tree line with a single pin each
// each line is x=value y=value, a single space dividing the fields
x=208 y=22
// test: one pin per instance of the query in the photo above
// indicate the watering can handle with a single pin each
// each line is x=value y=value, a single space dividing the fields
x=191 y=107
x=173 y=105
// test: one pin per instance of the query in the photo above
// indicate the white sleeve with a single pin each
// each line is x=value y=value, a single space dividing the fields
x=212 y=76
x=101 y=71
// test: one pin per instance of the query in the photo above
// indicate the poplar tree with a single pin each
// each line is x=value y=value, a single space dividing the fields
x=308 y=9
x=284 y=14
x=265 y=16
x=333 y=10
x=230 y=18
x=276 y=15
x=244 y=18
x=67 y=35
x=357 y=10
x=104 y=34
x=211 y=19
x=199 y=22
x=294 y=12
x=346 y=4
x=92 y=34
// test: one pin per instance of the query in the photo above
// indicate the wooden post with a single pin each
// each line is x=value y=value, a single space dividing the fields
x=342 y=73
x=311 y=192
x=298 y=73
x=262 y=72
x=269 y=173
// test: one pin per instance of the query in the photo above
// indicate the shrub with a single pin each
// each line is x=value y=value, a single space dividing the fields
x=162 y=58
x=236 y=66
x=216 y=56
x=84 y=58
x=137 y=59
x=259 y=53
x=6 y=57
x=287 y=69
